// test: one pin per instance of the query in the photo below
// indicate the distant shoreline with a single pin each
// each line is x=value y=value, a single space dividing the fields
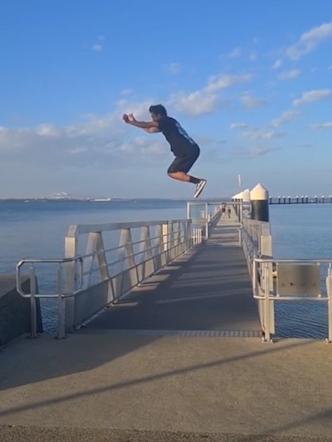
x=104 y=200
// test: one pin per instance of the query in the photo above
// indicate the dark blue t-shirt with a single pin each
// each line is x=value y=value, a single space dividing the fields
x=180 y=141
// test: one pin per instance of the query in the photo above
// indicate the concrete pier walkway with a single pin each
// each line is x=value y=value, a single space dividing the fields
x=161 y=366
x=207 y=290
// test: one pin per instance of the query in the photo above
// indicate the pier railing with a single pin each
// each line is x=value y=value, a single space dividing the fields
x=205 y=214
x=275 y=280
x=103 y=263
x=287 y=280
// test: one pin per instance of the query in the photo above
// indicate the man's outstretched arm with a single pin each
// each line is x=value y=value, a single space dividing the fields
x=148 y=126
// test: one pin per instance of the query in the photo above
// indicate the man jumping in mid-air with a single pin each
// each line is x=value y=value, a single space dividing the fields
x=185 y=149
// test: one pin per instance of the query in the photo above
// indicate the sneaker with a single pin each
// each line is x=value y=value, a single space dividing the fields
x=199 y=188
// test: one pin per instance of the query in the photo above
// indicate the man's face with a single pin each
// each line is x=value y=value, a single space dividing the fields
x=155 y=117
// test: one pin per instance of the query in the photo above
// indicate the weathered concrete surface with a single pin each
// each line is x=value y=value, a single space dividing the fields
x=14 y=309
x=225 y=386
x=55 y=434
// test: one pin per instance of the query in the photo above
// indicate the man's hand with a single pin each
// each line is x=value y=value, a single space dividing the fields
x=129 y=118
x=152 y=126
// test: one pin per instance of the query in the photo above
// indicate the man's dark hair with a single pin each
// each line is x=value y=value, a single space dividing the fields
x=158 y=109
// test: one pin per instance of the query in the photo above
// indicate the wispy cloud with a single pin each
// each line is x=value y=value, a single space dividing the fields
x=262 y=134
x=235 y=53
x=238 y=126
x=173 y=68
x=126 y=92
x=327 y=125
x=311 y=96
x=195 y=103
x=251 y=102
x=207 y=99
x=98 y=46
x=98 y=141
x=253 y=56
x=255 y=151
x=277 y=64
x=285 y=117
x=219 y=82
x=291 y=74
x=309 y=41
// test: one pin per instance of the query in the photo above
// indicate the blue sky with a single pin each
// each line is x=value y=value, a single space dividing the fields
x=250 y=81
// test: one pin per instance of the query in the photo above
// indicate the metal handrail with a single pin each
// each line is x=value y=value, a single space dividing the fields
x=23 y=261
x=300 y=260
x=174 y=237
x=271 y=295
x=77 y=229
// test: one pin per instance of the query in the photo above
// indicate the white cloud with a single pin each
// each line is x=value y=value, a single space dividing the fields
x=47 y=130
x=126 y=92
x=207 y=99
x=259 y=134
x=327 y=125
x=173 y=68
x=103 y=141
x=251 y=102
x=97 y=47
x=255 y=151
x=235 y=53
x=253 y=56
x=309 y=41
x=219 y=82
x=290 y=74
x=277 y=64
x=195 y=103
x=238 y=126
x=285 y=117
x=311 y=96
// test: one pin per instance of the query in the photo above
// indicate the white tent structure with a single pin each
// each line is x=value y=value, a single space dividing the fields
x=244 y=196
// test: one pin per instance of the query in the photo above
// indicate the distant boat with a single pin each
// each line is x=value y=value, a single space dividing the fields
x=101 y=199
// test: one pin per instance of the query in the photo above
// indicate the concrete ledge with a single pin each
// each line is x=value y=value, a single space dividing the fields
x=54 y=434
x=15 y=310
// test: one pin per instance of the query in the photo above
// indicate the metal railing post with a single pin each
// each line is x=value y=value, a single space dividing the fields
x=206 y=221
x=267 y=337
x=329 y=304
x=33 y=303
x=70 y=276
x=61 y=333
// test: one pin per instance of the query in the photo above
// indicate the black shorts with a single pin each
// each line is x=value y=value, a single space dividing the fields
x=183 y=163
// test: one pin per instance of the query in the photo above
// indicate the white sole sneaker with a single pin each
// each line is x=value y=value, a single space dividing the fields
x=199 y=188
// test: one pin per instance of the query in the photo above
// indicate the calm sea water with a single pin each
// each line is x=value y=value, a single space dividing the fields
x=37 y=229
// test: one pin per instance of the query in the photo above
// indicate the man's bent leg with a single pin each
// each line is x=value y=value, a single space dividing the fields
x=182 y=176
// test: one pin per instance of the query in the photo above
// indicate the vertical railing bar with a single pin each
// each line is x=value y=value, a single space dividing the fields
x=61 y=332
x=33 y=304
x=267 y=303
